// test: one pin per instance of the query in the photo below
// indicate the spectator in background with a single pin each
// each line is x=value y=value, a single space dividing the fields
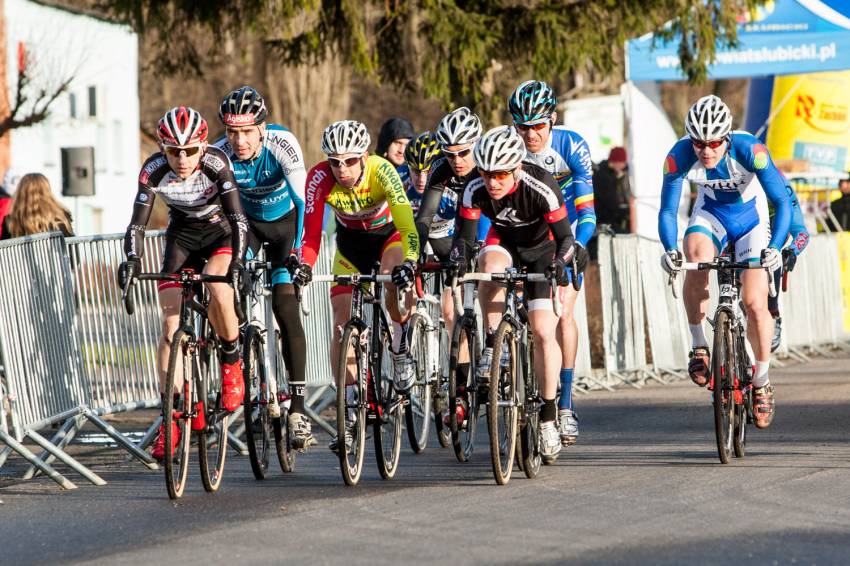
x=393 y=138
x=612 y=192
x=841 y=207
x=7 y=190
x=35 y=210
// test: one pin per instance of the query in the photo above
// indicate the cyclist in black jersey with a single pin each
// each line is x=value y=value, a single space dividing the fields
x=529 y=229
x=206 y=224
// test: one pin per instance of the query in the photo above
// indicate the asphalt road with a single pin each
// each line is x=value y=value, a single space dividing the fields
x=644 y=485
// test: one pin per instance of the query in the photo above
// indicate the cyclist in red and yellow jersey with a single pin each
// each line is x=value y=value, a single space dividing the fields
x=374 y=223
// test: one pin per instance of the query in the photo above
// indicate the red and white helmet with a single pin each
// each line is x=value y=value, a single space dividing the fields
x=182 y=126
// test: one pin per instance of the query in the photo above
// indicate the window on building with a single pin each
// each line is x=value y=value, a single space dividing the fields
x=92 y=102
x=72 y=105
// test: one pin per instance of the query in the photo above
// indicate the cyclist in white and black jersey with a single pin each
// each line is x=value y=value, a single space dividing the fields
x=529 y=229
x=206 y=224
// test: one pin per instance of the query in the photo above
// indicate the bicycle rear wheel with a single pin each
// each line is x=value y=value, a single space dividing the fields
x=256 y=413
x=212 y=438
x=417 y=413
x=351 y=414
x=388 y=415
x=280 y=425
x=723 y=371
x=503 y=403
x=528 y=391
x=175 y=413
x=463 y=389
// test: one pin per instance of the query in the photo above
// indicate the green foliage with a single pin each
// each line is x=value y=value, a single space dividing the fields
x=457 y=44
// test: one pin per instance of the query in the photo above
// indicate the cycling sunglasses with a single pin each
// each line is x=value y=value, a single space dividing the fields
x=175 y=151
x=496 y=175
x=711 y=144
x=535 y=127
x=457 y=154
x=348 y=161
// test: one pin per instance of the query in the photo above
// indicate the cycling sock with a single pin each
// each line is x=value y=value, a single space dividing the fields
x=297 y=390
x=698 y=338
x=230 y=351
x=566 y=399
x=760 y=379
x=399 y=337
x=549 y=411
x=293 y=344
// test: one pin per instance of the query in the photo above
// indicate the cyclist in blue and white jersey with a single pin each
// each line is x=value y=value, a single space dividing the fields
x=798 y=239
x=269 y=168
x=566 y=155
x=735 y=178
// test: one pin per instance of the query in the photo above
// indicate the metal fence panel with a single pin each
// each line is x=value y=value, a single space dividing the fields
x=119 y=350
x=582 y=365
x=38 y=332
x=318 y=325
x=667 y=324
x=623 y=337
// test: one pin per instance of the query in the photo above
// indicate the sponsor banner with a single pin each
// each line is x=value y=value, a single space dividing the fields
x=814 y=122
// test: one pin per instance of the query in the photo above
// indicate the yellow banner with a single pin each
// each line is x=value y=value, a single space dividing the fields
x=844 y=262
x=813 y=123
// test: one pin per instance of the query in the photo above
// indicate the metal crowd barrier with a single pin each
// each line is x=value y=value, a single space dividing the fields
x=71 y=354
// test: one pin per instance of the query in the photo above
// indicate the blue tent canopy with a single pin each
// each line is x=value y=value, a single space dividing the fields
x=783 y=37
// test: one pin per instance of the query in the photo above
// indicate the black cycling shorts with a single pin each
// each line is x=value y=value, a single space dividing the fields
x=190 y=244
x=279 y=235
x=534 y=259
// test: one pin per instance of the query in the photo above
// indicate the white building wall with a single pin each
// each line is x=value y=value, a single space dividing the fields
x=100 y=55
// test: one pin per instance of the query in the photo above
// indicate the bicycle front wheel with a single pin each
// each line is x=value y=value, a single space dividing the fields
x=723 y=371
x=503 y=402
x=256 y=413
x=463 y=389
x=388 y=415
x=350 y=405
x=417 y=413
x=439 y=394
x=212 y=436
x=176 y=412
x=744 y=398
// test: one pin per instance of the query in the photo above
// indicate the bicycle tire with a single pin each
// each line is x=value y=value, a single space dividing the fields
x=722 y=370
x=743 y=410
x=529 y=391
x=176 y=461
x=439 y=395
x=212 y=439
x=255 y=413
x=417 y=412
x=503 y=403
x=351 y=462
x=387 y=426
x=463 y=438
x=280 y=425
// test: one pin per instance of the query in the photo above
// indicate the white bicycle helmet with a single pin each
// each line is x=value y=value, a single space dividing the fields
x=459 y=127
x=344 y=137
x=500 y=149
x=708 y=119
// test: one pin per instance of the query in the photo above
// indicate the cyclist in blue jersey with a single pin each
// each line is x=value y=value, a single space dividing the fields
x=566 y=156
x=735 y=178
x=269 y=169
x=798 y=239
